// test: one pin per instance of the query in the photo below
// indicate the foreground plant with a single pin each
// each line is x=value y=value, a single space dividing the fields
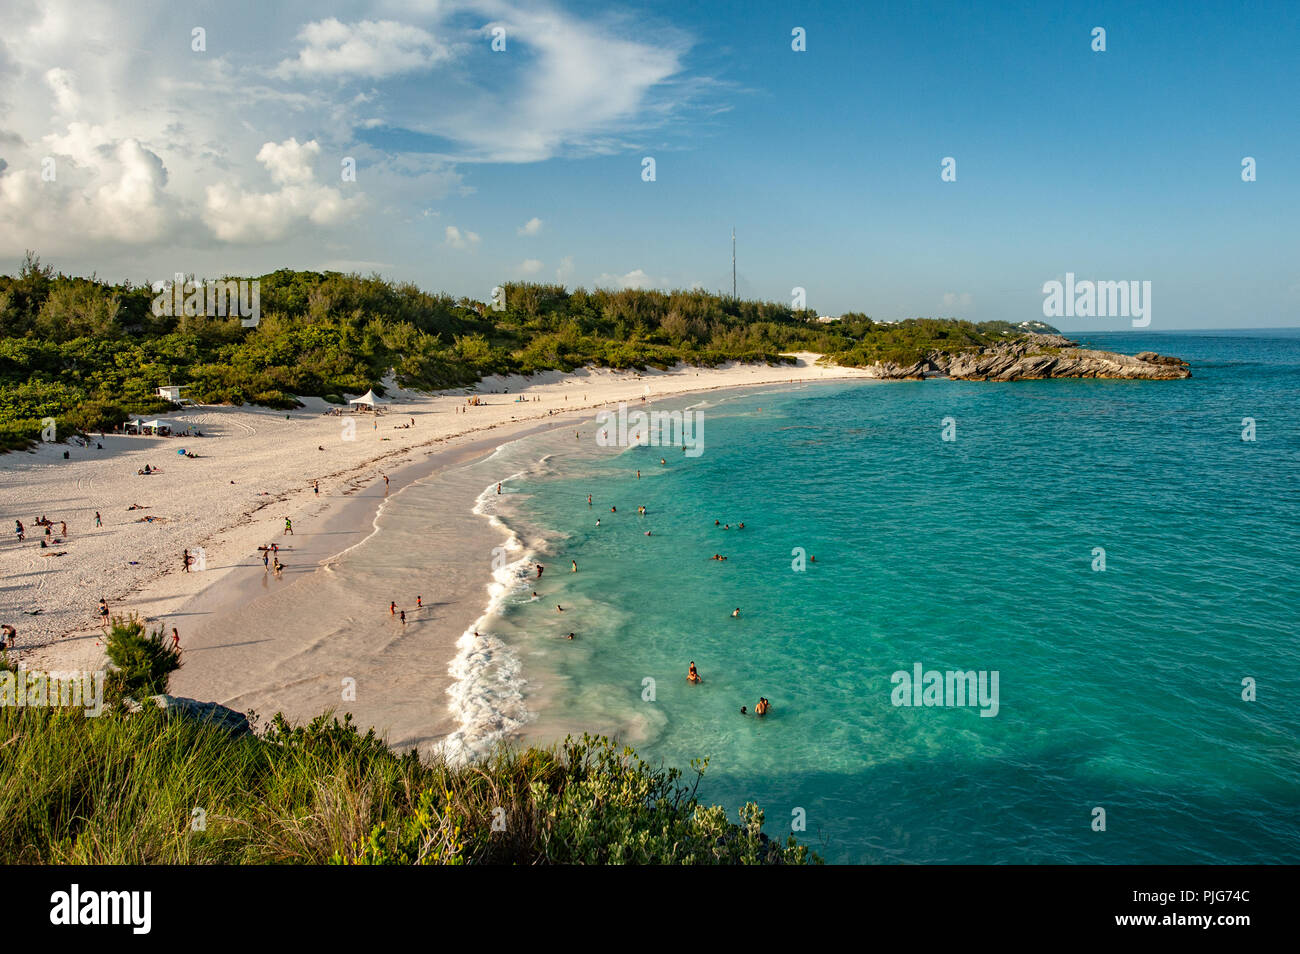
x=149 y=788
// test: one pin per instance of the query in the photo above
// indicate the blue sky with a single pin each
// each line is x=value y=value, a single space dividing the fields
x=1115 y=165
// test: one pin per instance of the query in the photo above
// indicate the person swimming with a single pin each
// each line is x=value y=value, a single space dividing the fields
x=762 y=707
x=693 y=675
x=735 y=613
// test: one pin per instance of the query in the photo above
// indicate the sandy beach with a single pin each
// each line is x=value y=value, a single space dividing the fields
x=296 y=641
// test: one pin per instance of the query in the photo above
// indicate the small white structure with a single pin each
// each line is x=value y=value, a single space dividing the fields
x=172 y=393
x=367 y=400
x=159 y=427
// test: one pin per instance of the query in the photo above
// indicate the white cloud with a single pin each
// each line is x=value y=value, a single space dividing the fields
x=531 y=227
x=565 y=271
x=370 y=48
x=637 y=278
x=529 y=266
x=65 y=95
x=458 y=239
x=236 y=216
x=101 y=190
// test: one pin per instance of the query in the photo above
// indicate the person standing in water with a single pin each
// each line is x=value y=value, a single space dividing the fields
x=575 y=566
x=735 y=613
x=692 y=675
x=588 y=500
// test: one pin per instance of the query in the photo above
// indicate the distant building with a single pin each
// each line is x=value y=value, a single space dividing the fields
x=827 y=319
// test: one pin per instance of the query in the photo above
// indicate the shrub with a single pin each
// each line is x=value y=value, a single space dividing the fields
x=142 y=662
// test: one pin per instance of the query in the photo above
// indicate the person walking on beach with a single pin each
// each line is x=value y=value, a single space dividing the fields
x=63 y=528
x=20 y=530
x=419 y=602
x=103 y=612
x=498 y=488
x=185 y=560
x=176 y=639
x=385 y=476
x=402 y=614
x=99 y=522
x=266 y=560
x=392 y=608
x=288 y=527
x=315 y=487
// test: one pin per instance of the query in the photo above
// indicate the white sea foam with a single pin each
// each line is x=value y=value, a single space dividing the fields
x=487 y=696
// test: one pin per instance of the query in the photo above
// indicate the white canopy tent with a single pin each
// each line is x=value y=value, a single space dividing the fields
x=367 y=400
x=157 y=426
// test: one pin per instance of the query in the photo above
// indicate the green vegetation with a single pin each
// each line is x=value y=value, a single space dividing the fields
x=152 y=788
x=142 y=662
x=88 y=353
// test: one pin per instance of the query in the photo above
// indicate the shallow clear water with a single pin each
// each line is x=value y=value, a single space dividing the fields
x=1118 y=688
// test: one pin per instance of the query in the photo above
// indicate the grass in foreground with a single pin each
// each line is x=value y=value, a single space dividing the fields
x=146 y=788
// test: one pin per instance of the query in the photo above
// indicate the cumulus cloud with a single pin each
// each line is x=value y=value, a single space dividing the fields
x=87 y=187
x=369 y=48
x=637 y=278
x=529 y=266
x=531 y=227
x=458 y=239
x=238 y=216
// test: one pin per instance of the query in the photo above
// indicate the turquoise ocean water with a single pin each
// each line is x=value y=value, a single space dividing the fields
x=1118 y=689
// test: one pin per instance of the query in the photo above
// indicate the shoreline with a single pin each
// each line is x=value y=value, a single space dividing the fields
x=230 y=596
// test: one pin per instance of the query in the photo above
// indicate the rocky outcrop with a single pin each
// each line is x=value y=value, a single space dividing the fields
x=211 y=712
x=1034 y=356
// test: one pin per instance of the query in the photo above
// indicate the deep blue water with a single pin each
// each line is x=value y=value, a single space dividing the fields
x=1119 y=689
